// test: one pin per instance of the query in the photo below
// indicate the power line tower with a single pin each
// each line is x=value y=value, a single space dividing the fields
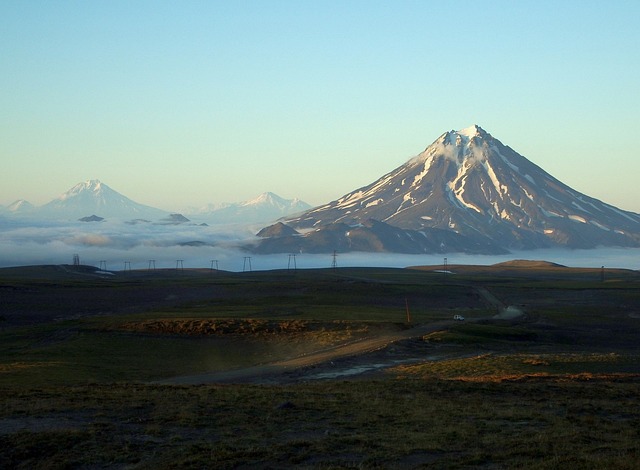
x=247 y=263
x=292 y=256
x=127 y=266
x=103 y=265
x=214 y=262
x=152 y=265
x=76 y=260
x=179 y=265
x=334 y=263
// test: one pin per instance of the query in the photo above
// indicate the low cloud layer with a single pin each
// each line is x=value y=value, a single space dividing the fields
x=29 y=243
x=25 y=242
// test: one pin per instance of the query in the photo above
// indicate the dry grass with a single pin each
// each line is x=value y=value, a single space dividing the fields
x=517 y=366
x=322 y=333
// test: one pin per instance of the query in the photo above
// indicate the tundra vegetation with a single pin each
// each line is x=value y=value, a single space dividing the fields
x=544 y=371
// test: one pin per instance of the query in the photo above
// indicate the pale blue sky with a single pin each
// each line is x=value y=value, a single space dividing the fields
x=183 y=103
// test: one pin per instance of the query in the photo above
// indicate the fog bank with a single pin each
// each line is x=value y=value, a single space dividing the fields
x=116 y=243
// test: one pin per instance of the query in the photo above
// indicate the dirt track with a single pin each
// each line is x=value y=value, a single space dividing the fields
x=269 y=372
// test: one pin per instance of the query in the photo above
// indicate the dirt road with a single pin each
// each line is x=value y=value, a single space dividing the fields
x=268 y=372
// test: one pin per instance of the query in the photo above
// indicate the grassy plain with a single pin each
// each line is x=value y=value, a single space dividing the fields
x=555 y=387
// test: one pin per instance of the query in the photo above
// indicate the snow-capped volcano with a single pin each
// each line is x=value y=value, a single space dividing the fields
x=264 y=208
x=95 y=197
x=273 y=200
x=469 y=184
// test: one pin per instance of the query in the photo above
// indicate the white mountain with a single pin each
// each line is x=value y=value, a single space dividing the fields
x=264 y=208
x=93 y=197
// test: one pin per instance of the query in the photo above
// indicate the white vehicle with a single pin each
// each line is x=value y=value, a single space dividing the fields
x=458 y=318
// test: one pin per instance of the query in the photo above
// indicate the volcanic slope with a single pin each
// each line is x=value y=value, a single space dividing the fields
x=465 y=192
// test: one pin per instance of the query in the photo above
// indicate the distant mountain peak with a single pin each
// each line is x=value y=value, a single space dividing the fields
x=95 y=197
x=265 y=198
x=266 y=207
x=271 y=199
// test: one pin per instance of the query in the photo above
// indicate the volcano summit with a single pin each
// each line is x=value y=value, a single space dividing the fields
x=466 y=192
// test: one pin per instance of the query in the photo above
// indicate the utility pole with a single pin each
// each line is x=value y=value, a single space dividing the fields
x=406 y=303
